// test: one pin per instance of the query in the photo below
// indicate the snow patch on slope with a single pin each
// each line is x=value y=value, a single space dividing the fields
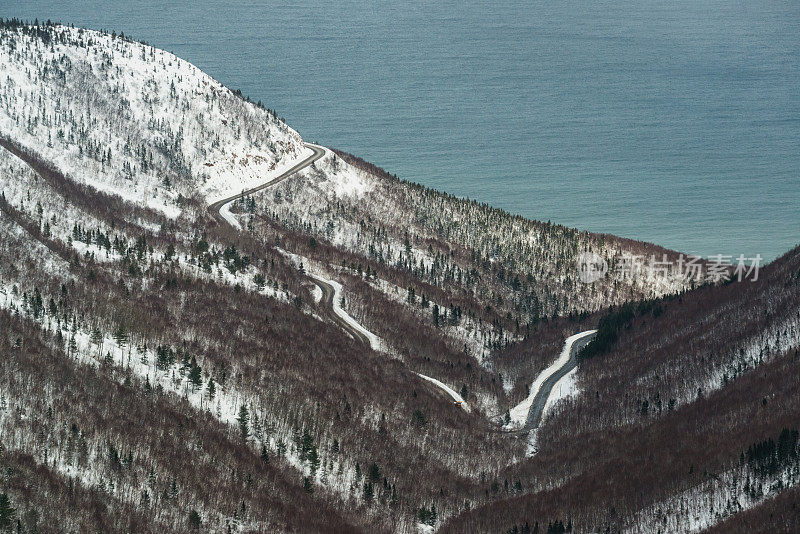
x=313 y=195
x=712 y=501
x=249 y=176
x=458 y=399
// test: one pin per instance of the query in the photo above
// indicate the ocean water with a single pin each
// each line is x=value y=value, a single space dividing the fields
x=673 y=122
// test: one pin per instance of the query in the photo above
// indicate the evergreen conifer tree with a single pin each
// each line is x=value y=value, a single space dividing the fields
x=7 y=512
x=244 y=421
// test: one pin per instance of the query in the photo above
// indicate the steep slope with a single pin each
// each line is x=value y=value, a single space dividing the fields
x=127 y=118
x=224 y=334
x=215 y=325
x=140 y=461
x=441 y=239
x=687 y=418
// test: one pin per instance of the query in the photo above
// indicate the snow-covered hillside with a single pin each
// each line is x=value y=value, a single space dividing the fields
x=338 y=350
x=441 y=238
x=134 y=120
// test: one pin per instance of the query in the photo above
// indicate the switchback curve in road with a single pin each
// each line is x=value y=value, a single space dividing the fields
x=328 y=291
x=219 y=204
x=328 y=299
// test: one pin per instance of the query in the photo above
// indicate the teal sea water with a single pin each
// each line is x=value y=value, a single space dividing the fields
x=673 y=122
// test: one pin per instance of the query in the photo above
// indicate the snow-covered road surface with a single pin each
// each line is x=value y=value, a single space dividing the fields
x=332 y=297
x=528 y=413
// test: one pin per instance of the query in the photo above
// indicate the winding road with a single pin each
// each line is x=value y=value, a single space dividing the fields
x=328 y=291
x=540 y=400
x=218 y=205
x=328 y=296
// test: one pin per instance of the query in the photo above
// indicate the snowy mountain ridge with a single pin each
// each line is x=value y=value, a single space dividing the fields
x=133 y=120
